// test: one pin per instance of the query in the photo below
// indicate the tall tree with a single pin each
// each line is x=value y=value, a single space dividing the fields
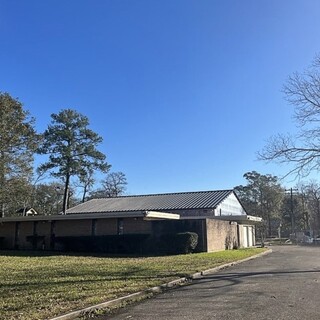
x=72 y=149
x=18 y=141
x=262 y=196
x=302 y=90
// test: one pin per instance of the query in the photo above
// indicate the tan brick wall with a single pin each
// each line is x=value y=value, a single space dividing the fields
x=221 y=235
x=106 y=227
x=7 y=230
x=72 y=228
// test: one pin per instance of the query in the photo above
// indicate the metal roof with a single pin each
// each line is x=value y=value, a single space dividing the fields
x=156 y=202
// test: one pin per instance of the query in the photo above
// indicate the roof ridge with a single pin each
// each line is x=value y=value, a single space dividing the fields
x=165 y=194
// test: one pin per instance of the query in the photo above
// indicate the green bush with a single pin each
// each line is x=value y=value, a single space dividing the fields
x=173 y=243
x=187 y=242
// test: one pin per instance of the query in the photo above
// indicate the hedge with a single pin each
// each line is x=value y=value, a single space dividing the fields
x=176 y=243
x=122 y=244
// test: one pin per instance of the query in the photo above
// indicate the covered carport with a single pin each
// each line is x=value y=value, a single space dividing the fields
x=246 y=226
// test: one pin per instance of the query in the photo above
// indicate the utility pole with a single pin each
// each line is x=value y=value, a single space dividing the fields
x=291 y=209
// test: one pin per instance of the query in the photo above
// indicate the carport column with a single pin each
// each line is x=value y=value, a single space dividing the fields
x=238 y=235
x=16 y=236
x=34 y=233
x=204 y=235
x=52 y=234
x=93 y=227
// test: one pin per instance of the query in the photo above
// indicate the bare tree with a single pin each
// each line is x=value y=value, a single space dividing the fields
x=311 y=191
x=302 y=90
x=113 y=185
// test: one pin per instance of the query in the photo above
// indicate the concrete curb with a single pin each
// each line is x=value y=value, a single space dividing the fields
x=151 y=291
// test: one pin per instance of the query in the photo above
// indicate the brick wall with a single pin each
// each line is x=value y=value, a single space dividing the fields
x=213 y=234
x=221 y=235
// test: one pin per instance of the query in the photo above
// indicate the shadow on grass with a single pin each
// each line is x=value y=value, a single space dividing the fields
x=45 y=253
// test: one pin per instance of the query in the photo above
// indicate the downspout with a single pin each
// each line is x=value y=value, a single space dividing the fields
x=204 y=235
x=238 y=235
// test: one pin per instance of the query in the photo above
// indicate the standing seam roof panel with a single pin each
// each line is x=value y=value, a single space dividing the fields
x=170 y=201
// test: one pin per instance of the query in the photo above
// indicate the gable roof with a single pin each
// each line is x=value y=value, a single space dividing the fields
x=156 y=202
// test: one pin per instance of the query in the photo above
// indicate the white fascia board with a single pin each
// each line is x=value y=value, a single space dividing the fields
x=151 y=215
x=241 y=219
x=255 y=219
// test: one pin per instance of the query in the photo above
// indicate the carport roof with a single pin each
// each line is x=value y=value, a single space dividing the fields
x=157 y=202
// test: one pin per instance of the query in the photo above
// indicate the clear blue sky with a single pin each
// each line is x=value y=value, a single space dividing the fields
x=184 y=92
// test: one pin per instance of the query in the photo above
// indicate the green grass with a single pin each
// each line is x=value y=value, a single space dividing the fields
x=42 y=286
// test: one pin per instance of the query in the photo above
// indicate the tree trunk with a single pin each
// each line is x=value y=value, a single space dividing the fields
x=2 y=210
x=66 y=194
x=84 y=194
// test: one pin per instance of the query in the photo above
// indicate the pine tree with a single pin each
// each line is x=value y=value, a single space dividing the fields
x=71 y=147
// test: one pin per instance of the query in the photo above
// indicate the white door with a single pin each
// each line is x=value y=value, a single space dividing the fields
x=250 y=237
x=245 y=237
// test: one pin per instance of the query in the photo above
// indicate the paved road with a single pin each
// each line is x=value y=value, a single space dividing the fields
x=282 y=285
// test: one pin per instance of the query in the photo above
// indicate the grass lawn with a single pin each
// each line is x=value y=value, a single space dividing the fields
x=40 y=286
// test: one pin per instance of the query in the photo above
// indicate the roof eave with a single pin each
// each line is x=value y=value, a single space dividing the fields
x=156 y=215
x=241 y=219
x=146 y=215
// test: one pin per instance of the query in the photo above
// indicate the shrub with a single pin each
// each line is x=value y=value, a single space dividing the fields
x=187 y=242
x=173 y=243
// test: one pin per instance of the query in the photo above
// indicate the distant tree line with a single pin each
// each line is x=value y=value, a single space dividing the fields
x=263 y=194
x=284 y=211
x=73 y=160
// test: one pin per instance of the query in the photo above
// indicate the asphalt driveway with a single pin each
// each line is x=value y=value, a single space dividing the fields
x=282 y=285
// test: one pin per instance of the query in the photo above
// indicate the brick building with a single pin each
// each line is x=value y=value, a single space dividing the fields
x=216 y=216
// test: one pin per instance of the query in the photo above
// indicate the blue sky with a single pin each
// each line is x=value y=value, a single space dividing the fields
x=184 y=93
